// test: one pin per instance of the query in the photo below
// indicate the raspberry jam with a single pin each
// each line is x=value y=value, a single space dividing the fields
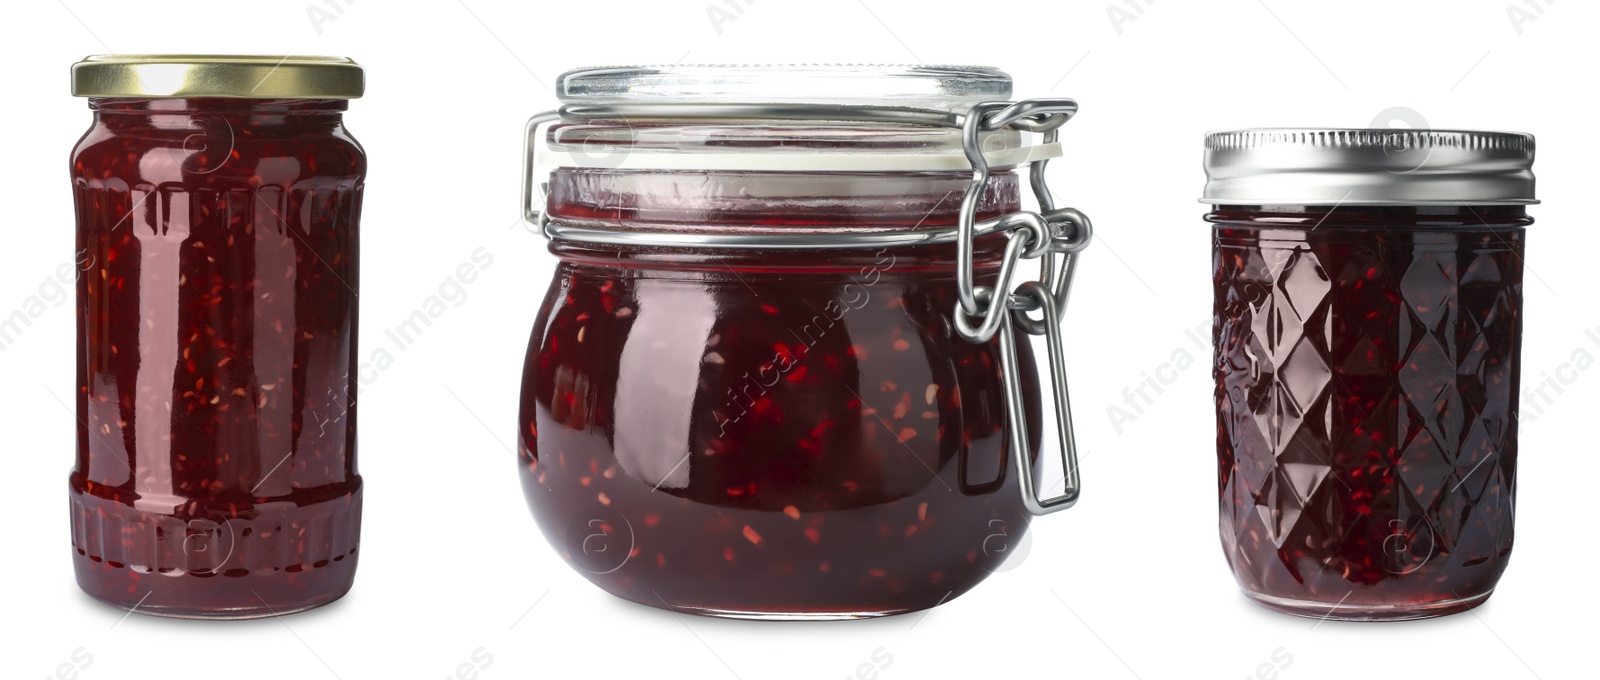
x=768 y=434
x=216 y=474
x=783 y=370
x=1367 y=368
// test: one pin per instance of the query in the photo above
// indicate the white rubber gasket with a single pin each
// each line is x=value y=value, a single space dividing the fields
x=794 y=161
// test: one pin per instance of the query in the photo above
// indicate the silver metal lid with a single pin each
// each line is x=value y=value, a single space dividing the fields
x=946 y=88
x=1368 y=167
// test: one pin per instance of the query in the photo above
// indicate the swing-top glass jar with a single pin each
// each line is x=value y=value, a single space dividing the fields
x=768 y=380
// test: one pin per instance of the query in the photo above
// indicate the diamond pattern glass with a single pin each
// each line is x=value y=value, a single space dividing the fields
x=1366 y=372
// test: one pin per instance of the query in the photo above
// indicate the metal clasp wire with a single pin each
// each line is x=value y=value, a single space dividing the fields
x=1045 y=234
x=1016 y=411
x=532 y=217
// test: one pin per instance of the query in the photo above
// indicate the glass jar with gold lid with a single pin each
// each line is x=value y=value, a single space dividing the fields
x=217 y=200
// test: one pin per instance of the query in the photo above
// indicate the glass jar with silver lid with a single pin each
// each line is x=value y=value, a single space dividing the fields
x=1368 y=330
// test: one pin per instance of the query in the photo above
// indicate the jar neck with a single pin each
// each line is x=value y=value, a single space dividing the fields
x=164 y=113
x=840 y=137
x=733 y=201
x=1359 y=216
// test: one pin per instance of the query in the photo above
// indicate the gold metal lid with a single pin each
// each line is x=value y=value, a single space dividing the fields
x=217 y=75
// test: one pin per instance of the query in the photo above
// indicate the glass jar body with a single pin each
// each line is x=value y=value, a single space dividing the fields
x=1367 y=368
x=216 y=473
x=768 y=434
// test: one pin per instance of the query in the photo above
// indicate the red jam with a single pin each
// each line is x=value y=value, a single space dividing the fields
x=1367 y=370
x=216 y=471
x=768 y=434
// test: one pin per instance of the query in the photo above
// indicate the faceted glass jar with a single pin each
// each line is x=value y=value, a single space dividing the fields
x=761 y=433
x=216 y=474
x=1367 y=367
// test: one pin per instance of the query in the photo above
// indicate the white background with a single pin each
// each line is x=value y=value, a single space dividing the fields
x=1131 y=583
